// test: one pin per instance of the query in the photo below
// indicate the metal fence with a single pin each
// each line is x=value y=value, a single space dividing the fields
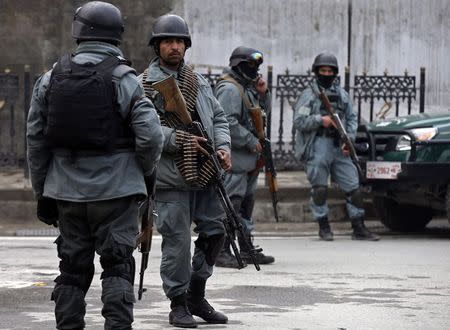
x=9 y=95
x=392 y=90
x=366 y=91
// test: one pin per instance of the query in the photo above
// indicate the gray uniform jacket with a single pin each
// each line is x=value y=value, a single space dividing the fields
x=103 y=177
x=242 y=130
x=211 y=115
x=308 y=119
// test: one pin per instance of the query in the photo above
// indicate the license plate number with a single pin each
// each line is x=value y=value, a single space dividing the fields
x=383 y=170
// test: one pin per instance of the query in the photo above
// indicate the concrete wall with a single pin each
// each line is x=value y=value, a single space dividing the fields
x=387 y=35
x=405 y=34
x=392 y=35
x=37 y=32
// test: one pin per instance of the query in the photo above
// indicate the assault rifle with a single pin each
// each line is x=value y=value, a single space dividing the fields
x=144 y=239
x=337 y=123
x=174 y=102
x=269 y=167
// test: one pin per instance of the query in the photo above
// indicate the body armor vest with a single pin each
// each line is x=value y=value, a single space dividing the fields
x=82 y=108
x=336 y=105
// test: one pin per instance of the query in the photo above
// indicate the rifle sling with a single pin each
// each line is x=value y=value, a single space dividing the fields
x=248 y=104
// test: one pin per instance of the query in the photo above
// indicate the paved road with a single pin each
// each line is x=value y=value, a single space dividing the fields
x=401 y=282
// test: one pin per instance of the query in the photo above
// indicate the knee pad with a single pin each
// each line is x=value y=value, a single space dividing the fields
x=355 y=197
x=319 y=195
x=80 y=277
x=119 y=266
x=210 y=246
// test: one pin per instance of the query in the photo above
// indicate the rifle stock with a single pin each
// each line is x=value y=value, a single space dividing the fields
x=174 y=101
x=231 y=223
x=258 y=121
x=340 y=128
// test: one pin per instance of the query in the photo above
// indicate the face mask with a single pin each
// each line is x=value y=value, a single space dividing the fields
x=249 y=73
x=325 y=81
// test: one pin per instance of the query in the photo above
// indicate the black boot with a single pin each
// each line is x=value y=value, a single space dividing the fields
x=325 y=232
x=180 y=316
x=199 y=306
x=260 y=257
x=360 y=231
x=225 y=258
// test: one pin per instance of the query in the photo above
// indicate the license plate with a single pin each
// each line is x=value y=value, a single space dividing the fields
x=383 y=170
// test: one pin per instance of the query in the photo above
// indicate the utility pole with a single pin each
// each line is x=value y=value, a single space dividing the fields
x=349 y=32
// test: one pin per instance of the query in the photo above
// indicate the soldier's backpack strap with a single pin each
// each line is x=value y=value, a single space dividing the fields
x=123 y=68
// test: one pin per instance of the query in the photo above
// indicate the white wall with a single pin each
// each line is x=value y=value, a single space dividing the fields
x=387 y=34
x=406 y=34
x=392 y=35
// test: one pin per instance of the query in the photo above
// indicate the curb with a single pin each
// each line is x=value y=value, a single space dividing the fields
x=18 y=207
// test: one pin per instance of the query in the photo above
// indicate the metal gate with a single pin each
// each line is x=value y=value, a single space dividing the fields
x=9 y=92
x=366 y=90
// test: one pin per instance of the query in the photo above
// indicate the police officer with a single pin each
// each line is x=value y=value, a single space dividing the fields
x=180 y=196
x=317 y=145
x=239 y=90
x=92 y=138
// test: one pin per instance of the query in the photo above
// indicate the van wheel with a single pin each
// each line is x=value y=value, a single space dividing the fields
x=403 y=217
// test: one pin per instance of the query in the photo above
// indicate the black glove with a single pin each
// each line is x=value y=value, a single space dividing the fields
x=47 y=211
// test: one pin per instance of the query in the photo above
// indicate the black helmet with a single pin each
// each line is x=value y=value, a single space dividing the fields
x=325 y=59
x=97 y=20
x=170 y=26
x=245 y=54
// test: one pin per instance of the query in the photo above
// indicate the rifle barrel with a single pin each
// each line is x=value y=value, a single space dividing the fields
x=144 y=263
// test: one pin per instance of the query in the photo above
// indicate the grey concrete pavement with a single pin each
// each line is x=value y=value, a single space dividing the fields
x=400 y=282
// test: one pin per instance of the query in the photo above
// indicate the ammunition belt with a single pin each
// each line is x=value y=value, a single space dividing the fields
x=189 y=87
x=195 y=168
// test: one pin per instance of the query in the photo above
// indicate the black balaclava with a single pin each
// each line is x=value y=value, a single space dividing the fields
x=325 y=81
x=247 y=72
